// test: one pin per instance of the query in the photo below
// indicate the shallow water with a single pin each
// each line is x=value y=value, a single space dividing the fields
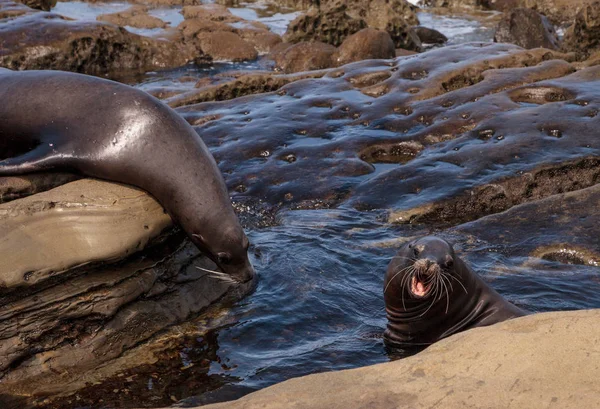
x=319 y=305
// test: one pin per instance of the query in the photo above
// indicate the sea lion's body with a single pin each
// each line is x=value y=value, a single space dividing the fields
x=430 y=294
x=52 y=120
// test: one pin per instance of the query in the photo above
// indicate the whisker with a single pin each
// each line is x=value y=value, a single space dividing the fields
x=392 y=279
x=458 y=281
x=207 y=270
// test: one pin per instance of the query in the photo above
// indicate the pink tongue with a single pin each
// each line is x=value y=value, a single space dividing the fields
x=418 y=288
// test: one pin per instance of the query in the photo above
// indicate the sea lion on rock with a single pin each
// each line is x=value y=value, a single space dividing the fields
x=52 y=120
x=430 y=293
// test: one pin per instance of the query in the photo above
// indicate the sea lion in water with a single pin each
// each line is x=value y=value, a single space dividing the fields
x=52 y=120
x=430 y=293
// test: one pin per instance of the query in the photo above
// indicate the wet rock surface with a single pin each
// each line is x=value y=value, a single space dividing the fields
x=526 y=28
x=491 y=367
x=433 y=114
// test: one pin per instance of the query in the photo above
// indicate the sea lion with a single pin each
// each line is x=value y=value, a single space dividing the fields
x=60 y=121
x=430 y=293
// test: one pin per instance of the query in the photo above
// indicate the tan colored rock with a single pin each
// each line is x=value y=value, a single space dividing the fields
x=225 y=45
x=136 y=16
x=538 y=361
x=305 y=56
x=365 y=45
x=77 y=223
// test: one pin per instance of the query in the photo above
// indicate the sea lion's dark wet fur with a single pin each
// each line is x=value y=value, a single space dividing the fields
x=52 y=120
x=430 y=293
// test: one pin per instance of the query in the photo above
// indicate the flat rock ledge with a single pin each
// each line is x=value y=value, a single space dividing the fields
x=539 y=361
x=91 y=273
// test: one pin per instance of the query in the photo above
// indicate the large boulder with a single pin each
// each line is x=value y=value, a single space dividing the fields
x=331 y=22
x=526 y=28
x=304 y=56
x=365 y=45
x=531 y=362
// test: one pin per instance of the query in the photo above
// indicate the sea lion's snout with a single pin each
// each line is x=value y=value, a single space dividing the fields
x=425 y=274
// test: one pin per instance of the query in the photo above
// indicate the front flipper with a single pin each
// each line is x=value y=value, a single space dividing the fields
x=39 y=159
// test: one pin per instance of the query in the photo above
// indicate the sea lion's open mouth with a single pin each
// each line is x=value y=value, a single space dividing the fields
x=419 y=288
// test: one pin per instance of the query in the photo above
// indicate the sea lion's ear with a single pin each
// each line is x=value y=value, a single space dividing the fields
x=199 y=237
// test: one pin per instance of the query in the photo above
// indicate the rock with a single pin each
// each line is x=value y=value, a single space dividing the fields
x=44 y=5
x=449 y=104
x=16 y=187
x=305 y=56
x=430 y=36
x=136 y=16
x=333 y=21
x=526 y=28
x=570 y=239
x=559 y=12
x=365 y=45
x=526 y=362
x=41 y=40
x=584 y=35
x=118 y=221
x=76 y=299
x=226 y=46
x=222 y=36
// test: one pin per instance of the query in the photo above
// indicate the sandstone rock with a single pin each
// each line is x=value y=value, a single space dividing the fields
x=430 y=36
x=526 y=28
x=16 y=187
x=136 y=16
x=76 y=299
x=262 y=40
x=364 y=45
x=226 y=46
x=584 y=35
x=333 y=21
x=305 y=56
x=531 y=362
x=118 y=221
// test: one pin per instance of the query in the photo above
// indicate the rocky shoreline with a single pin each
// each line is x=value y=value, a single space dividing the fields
x=354 y=109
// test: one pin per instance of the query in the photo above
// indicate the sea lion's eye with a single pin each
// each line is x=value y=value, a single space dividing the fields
x=415 y=251
x=223 y=258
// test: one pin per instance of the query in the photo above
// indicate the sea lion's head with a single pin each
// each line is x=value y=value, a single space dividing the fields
x=422 y=271
x=229 y=250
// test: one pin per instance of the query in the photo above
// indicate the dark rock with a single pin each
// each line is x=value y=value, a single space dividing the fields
x=526 y=28
x=331 y=22
x=44 y=5
x=305 y=56
x=41 y=40
x=365 y=45
x=584 y=35
x=456 y=113
x=430 y=36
